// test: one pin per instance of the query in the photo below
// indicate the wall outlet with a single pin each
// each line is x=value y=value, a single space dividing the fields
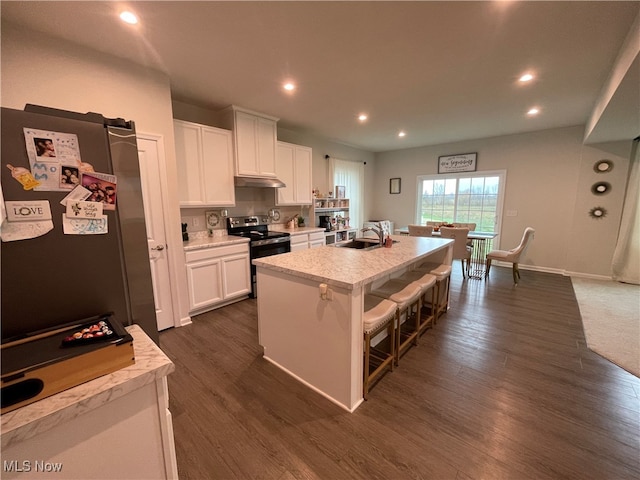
x=195 y=221
x=512 y=213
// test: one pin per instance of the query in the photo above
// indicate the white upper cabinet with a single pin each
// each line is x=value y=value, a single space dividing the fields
x=254 y=137
x=293 y=167
x=205 y=165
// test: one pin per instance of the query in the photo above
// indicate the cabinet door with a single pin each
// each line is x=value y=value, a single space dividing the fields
x=217 y=167
x=236 y=274
x=293 y=167
x=285 y=172
x=205 y=283
x=303 y=175
x=266 y=133
x=188 y=156
x=246 y=144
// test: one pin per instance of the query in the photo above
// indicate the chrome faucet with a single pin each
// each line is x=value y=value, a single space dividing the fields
x=377 y=229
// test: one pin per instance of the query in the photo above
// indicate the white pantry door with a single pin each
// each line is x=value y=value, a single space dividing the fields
x=149 y=157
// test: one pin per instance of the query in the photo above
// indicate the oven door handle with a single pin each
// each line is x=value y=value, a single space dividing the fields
x=271 y=241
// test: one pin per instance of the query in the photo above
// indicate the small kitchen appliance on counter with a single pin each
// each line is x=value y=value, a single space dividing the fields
x=325 y=222
x=263 y=242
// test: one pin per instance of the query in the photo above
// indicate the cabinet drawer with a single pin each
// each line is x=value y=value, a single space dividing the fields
x=316 y=236
x=215 y=252
x=295 y=239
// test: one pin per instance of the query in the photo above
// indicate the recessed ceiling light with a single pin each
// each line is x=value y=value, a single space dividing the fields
x=527 y=77
x=129 y=17
x=362 y=117
x=289 y=86
x=533 y=111
x=401 y=134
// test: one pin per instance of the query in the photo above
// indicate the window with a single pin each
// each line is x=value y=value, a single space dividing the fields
x=463 y=198
x=351 y=176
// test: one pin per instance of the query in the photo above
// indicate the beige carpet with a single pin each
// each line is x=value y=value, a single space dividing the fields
x=611 y=319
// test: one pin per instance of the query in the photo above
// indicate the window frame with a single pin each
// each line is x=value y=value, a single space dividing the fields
x=502 y=174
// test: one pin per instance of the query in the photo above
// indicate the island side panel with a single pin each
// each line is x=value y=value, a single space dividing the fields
x=317 y=341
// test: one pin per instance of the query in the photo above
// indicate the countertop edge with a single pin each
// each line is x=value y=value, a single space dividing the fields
x=381 y=270
x=295 y=231
x=38 y=417
x=212 y=242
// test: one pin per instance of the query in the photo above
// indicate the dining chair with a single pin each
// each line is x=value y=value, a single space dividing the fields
x=513 y=255
x=470 y=226
x=461 y=251
x=420 y=230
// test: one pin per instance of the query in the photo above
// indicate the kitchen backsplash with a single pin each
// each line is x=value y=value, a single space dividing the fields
x=249 y=201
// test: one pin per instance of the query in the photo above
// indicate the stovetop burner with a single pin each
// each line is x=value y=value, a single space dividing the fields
x=253 y=227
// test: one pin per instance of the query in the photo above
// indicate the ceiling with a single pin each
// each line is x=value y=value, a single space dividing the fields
x=440 y=71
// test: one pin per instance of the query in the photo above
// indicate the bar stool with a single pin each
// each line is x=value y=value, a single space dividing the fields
x=427 y=282
x=442 y=272
x=379 y=314
x=407 y=296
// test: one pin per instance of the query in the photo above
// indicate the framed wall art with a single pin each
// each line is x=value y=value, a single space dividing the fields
x=394 y=186
x=462 y=162
x=340 y=191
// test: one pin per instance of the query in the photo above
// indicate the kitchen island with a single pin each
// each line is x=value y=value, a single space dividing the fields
x=310 y=308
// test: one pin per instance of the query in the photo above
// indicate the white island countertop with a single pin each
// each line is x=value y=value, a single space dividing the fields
x=351 y=268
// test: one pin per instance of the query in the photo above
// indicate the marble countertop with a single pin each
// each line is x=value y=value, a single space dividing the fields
x=295 y=231
x=208 y=242
x=350 y=268
x=26 y=422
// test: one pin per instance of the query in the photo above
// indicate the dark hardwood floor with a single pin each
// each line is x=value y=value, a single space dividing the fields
x=503 y=387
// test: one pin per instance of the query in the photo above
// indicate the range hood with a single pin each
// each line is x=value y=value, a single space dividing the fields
x=258 y=182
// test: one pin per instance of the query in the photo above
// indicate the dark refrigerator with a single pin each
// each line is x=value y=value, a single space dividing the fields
x=58 y=278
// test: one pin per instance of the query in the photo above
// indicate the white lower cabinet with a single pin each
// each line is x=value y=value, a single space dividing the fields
x=299 y=242
x=317 y=239
x=304 y=241
x=217 y=275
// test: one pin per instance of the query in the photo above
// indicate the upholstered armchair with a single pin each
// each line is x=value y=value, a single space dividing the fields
x=513 y=255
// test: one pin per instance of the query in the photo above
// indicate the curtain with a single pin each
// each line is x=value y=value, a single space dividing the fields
x=626 y=258
x=351 y=176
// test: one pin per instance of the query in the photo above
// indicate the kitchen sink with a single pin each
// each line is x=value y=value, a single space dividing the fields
x=360 y=244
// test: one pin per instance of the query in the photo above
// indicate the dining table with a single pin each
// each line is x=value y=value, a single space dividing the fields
x=481 y=243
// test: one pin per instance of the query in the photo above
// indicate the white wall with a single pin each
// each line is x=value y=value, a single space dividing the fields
x=548 y=183
x=83 y=80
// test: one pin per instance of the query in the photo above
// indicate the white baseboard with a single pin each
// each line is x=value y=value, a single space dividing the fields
x=184 y=321
x=588 y=275
x=557 y=271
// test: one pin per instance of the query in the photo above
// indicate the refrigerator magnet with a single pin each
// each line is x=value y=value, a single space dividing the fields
x=84 y=226
x=80 y=209
x=28 y=211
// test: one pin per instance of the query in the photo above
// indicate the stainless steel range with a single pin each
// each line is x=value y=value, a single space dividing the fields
x=263 y=242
